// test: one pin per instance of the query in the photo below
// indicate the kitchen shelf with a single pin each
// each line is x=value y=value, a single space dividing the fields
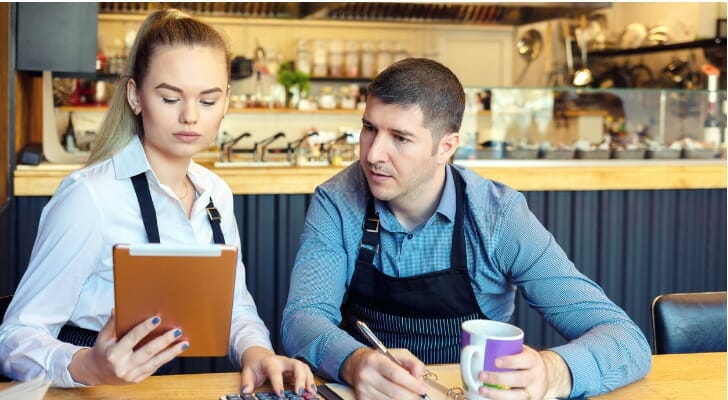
x=697 y=44
x=340 y=79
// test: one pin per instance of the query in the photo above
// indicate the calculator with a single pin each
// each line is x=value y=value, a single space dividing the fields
x=287 y=395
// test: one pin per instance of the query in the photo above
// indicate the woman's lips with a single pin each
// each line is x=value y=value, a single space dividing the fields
x=187 y=136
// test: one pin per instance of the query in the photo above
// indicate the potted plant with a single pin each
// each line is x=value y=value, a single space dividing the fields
x=294 y=82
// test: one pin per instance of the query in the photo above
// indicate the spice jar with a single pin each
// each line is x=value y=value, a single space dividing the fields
x=351 y=59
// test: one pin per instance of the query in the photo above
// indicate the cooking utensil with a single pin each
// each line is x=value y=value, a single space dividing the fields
x=529 y=47
x=583 y=76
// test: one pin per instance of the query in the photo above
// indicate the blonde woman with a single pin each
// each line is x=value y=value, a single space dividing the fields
x=141 y=185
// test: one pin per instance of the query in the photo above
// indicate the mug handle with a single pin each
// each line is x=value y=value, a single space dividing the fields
x=466 y=356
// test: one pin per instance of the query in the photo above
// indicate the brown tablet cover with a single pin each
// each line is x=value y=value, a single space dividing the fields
x=190 y=287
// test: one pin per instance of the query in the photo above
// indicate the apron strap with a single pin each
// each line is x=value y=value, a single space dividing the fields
x=369 y=245
x=149 y=214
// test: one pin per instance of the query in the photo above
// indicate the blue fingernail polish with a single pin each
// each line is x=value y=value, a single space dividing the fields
x=185 y=346
x=300 y=391
x=177 y=333
x=312 y=388
x=155 y=320
x=243 y=389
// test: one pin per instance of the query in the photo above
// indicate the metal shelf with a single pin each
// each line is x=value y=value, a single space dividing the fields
x=698 y=44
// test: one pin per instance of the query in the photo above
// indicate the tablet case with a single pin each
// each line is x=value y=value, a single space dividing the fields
x=190 y=287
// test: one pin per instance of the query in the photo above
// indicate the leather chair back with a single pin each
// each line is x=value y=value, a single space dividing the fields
x=4 y=303
x=689 y=322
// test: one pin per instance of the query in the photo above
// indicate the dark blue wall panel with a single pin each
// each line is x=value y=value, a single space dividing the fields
x=635 y=244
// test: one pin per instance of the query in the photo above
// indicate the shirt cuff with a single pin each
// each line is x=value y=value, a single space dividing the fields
x=58 y=371
x=340 y=348
x=242 y=344
x=582 y=367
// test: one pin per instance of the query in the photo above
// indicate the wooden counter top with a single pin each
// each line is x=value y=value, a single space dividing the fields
x=673 y=376
x=531 y=175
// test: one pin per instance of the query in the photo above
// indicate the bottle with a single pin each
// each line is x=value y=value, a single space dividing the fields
x=711 y=123
x=69 y=137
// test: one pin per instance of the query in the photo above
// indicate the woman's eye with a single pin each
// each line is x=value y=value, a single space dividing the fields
x=169 y=100
x=208 y=102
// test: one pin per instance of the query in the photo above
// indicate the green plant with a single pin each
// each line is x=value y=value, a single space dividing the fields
x=289 y=77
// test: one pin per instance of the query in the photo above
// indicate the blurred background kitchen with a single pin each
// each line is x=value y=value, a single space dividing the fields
x=610 y=117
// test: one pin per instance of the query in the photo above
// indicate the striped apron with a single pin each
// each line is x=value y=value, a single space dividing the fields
x=421 y=313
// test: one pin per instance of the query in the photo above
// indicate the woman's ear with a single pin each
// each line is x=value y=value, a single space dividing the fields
x=132 y=98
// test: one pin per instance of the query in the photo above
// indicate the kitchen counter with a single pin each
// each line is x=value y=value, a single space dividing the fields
x=525 y=175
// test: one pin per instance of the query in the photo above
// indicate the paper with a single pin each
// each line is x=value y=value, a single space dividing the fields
x=34 y=389
x=441 y=379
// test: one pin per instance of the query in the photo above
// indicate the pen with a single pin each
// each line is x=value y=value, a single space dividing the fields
x=374 y=340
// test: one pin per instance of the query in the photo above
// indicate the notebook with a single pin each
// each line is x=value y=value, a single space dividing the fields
x=190 y=287
x=443 y=383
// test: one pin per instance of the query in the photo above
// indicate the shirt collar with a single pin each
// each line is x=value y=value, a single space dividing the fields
x=446 y=207
x=131 y=160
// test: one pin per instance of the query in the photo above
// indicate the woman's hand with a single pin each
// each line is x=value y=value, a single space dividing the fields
x=260 y=363
x=112 y=362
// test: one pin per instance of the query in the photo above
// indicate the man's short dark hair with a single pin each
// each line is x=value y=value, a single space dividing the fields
x=428 y=84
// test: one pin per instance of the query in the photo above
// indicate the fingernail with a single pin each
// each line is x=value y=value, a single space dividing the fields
x=177 y=333
x=185 y=346
x=312 y=388
x=243 y=389
x=300 y=391
x=155 y=320
x=280 y=393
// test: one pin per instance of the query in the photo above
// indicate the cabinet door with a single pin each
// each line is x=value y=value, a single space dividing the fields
x=479 y=58
x=58 y=37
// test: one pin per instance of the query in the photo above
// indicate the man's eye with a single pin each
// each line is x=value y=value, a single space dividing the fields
x=401 y=138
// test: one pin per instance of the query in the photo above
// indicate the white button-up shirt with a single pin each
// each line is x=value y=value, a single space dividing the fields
x=70 y=277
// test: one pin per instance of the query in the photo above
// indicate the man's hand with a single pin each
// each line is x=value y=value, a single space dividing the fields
x=260 y=363
x=374 y=376
x=112 y=362
x=536 y=375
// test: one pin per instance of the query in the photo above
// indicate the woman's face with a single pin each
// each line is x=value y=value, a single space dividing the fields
x=182 y=100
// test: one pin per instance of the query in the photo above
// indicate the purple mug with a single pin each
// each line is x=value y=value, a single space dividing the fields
x=481 y=343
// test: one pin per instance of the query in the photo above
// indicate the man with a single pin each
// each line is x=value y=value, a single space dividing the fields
x=414 y=246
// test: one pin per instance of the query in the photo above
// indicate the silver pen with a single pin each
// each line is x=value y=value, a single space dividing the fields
x=374 y=340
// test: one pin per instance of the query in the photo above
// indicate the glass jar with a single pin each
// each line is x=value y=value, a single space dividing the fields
x=351 y=59
x=368 y=67
x=336 y=58
x=320 y=67
x=303 y=57
x=384 y=56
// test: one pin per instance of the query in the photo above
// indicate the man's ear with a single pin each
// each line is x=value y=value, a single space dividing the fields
x=447 y=147
x=132 y=98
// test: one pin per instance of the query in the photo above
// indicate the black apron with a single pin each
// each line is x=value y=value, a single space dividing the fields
x=422 y=313
x=86 y=337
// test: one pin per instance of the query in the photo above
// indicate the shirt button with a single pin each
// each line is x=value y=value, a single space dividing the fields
x=410 y=236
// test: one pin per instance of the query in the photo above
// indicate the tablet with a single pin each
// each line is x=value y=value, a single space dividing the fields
x=190 y=287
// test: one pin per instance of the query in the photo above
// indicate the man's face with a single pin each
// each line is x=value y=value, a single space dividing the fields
x=399 y=159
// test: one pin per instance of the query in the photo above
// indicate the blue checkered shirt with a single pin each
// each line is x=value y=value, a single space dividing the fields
x=507 y=249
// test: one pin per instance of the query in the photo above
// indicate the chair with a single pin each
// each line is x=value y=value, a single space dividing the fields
x=689 y=322
x=4 y=303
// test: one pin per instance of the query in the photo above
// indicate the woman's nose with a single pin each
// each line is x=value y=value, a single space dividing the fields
x=188 y=116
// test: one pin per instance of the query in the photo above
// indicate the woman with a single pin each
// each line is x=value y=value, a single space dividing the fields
x=167 y=107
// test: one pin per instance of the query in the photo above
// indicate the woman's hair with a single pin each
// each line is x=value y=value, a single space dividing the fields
x=428 y=84
x=162 y=28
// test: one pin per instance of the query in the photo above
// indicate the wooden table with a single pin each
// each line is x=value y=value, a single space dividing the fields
x=680 y=376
